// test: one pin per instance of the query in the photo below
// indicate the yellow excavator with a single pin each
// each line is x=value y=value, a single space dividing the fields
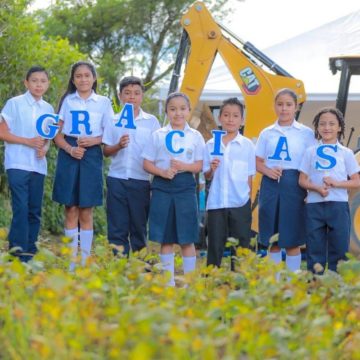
x=258 y=78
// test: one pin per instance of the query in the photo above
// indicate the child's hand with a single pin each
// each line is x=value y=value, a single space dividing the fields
x=87 y=141
x=177 y=165
x=36 y=142
x=40 y=153
x=77 y=152
x=169 y=173
x=323 y=191
x=330 y=182
x=214 y=164
x=124 y=141
x=274 y=173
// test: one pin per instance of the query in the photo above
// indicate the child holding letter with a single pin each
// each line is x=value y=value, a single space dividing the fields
x=128 y=184
x=328 y=171
x=78 y=180
x=173 y=156
x=25 y=160
x=231 y=171
x=279 y=150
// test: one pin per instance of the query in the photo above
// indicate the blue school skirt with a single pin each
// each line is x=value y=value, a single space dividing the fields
x=79 y=182
x=282 y=210
x=173 y=217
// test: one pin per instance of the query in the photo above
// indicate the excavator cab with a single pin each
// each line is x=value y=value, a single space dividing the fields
x=349 y=66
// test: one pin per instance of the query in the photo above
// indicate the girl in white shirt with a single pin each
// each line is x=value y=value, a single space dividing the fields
x=328 y=171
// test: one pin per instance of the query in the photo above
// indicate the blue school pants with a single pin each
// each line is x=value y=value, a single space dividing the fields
x=327 y=232
x=27 y=190
x=127 y=210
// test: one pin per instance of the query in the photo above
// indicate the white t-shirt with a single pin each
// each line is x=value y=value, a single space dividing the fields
x=346 y=165
x=284 y=146
x=127 y=163
x=229 y=186
x=99 y=110
x=21 y=113
x=192 y=143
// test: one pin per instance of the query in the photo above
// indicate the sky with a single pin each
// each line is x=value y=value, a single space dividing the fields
x=268 y=22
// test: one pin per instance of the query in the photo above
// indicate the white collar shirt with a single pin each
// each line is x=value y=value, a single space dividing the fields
x=346 y=165
x=20 y=114
x=193 y=144
x=98 y=107
x=127 y=163
x=229 y=186
x=298 y=136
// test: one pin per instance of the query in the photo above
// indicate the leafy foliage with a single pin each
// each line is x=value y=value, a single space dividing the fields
x=114 y=309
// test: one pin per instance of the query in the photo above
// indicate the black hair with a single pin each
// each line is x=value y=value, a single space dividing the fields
x=232 y=101
x=287 y=91
x=175 y=95
x=71 y=88
x=130 y=80
x=339 y=116
x=35 y=69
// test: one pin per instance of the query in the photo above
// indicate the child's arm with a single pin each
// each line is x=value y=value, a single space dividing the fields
x=352 y=183
x=150 y=167
x=110 y=150
x=214 y=164
x=272 y=173
x=76 y=152
x=194 y=167
x=305 y=183
x=88 y=141
x=36 y=142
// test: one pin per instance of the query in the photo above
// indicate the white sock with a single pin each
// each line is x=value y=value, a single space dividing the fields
x=167 y=261
x=86 y=237
x=293 y=262
x=73 y=235
x=189 y=263
x=276 y=257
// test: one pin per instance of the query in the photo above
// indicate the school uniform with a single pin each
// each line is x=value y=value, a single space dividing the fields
x=173 y=215
x=128 y=184
x=281 y=202
x=25 y=171
x=228 y=203
x=328 y=218
x=80 y=182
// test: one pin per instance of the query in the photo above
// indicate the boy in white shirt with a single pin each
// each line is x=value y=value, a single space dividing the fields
x=128 y=184
x=25 y=161
x=228 y=203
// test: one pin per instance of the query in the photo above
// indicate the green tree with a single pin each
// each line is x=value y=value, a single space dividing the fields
x=124 y=36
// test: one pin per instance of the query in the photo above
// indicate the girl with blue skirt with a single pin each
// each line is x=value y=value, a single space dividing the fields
x=279 y=150
x=174 y=155
x=78 y=180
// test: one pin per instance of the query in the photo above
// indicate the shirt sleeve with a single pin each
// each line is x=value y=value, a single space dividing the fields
x=305 y=164
x=109 y=133
x=149 y=152
x=207 y=160
x=8 y=113
x=251 y=160
x=199 y=149
x=260 y=148
x=156 y=124
x=108 y=114
x=351 y=164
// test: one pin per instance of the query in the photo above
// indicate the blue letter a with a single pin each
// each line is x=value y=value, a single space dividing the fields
x=282 y=146
x=127 y=113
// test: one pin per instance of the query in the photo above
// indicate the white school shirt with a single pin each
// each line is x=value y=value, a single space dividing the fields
x=127 y=163
x=98 y=107
x=346 y=165
x=20 y=114
x=192 y=143
x=299 y=137
x=229 y=186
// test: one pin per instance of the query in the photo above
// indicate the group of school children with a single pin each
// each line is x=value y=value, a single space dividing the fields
x=303 y=195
